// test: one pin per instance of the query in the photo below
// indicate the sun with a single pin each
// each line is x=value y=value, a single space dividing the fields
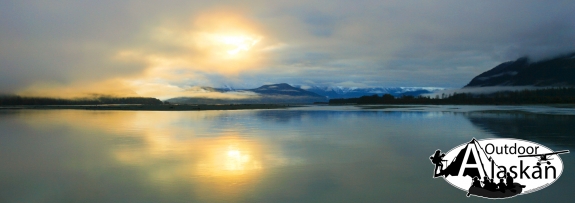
x=234 y=44
x=228 y=51
x=228 y=34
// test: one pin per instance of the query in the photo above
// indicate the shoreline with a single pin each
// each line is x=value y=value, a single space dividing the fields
x=162 y=107
x=560 y=109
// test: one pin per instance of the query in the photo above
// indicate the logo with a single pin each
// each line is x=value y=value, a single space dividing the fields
x=498 y=168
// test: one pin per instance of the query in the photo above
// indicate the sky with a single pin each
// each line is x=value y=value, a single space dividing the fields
x=169 y=48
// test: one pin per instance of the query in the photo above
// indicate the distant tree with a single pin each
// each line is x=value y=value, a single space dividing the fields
x=539 y=96
x=18 y=100
x=387 y=97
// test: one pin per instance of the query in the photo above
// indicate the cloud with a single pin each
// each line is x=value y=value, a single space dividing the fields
x=179 y=44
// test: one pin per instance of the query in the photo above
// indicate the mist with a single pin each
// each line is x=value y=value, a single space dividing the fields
x=482 y=90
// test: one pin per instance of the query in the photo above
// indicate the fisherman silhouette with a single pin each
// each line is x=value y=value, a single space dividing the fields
x=488 y=184
x=509 y=181
x=476 y=182
x=501 y=186
x=493 y=184
x=438 y=161
x=485 y=182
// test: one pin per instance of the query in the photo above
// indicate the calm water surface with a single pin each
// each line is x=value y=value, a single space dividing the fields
x=297 y=155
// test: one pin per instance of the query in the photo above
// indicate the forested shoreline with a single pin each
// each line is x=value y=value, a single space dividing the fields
x=539 y=96
x=21 y=100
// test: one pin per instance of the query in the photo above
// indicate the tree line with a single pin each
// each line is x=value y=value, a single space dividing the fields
x=19 y=100
x=538 y=96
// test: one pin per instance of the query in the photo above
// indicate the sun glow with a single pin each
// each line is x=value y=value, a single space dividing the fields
x=177 y=54
x=227 y=35
x=236 y=44
x=229 y=46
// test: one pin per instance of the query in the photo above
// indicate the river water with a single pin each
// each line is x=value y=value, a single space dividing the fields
x=308 y=154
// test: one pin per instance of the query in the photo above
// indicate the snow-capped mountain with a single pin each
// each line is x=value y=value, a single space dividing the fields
x=334 y=92
x=285 y=93
x=226 y=88
x=284 y=89
x=275 y=93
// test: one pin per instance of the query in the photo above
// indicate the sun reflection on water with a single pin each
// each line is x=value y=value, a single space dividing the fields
x=237 y=161
x=171 y=153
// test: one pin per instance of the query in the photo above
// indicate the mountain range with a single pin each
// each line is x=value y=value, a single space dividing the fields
x=285 y=93
x=336 y=92
x=555 y=72
x=275 y=93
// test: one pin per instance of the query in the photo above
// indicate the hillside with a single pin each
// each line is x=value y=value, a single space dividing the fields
x=555 y=72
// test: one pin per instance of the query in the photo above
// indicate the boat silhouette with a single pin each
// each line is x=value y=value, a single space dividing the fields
x=496 y=194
